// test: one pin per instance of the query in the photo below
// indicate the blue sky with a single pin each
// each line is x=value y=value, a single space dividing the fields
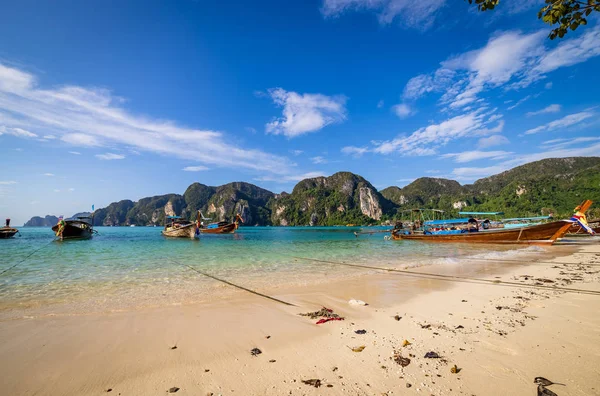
x=102 y=101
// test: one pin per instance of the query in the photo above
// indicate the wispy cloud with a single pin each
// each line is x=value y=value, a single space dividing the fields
x=491 y=141
x=9 y=182
x=94 y=117
x=355 y=151
x=75 y=152
x=548 y=85
x=474 y=155
x=564 y=122
x=471 y=173
x=519 y=102
x=305 y=113
x=412 y=14
x=319 y=160
x=511 y=60
x=110 y=156
x=290 y=178
x=380 y=104
x=426 y=140
x=562 y=143
x=49 y=137
x=49 y=174
x=198 y=168
x=296 y=152
x=18 y=132
x=553 y=108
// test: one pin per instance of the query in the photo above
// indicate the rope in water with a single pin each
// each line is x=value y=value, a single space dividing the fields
x=234 y=285
x=457 y=278
x=26 y=257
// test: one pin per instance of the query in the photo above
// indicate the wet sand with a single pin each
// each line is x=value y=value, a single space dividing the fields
x=500 y=338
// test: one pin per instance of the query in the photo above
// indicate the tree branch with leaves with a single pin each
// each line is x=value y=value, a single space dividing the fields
x=567 y=14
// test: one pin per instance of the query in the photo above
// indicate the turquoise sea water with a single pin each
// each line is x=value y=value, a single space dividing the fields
x=127 y=267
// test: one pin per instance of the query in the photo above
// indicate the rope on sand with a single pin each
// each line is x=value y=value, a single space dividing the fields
x=535 y=261
x=26 y=257
x=454 y=278
x=234 y=285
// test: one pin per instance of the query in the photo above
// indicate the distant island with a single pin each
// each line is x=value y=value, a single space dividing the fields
x=554 y=185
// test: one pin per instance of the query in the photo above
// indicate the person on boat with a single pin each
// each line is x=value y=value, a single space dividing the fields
x=7 y=223
x=61 y=227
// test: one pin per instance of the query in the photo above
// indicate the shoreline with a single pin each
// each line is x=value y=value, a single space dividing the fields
x=504 y=349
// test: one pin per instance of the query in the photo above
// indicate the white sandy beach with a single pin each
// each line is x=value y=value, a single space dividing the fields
x=507 y=337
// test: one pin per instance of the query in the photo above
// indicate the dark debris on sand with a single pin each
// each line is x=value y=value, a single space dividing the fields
x=255 y=352
x=312 y=382
x=173 y=389
x=322 y=313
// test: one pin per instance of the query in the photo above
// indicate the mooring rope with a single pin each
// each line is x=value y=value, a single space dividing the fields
x=26 y=257
x=457 y=278
x=511 y=261
x=233 y=284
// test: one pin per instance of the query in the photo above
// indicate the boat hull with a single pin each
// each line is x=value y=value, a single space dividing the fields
x=187 y=231
x=226 y=229
x=7 y=232
x=543 y=234
x=75 y=229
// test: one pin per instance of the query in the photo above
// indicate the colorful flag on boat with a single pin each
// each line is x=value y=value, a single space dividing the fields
x=582 y=221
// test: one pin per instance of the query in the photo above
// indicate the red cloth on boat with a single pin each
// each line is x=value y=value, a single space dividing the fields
x=321 y=321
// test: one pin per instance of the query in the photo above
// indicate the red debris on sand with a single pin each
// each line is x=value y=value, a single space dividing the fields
x=321 y=321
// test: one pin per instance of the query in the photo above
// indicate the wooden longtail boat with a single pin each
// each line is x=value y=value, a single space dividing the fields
x=176 y=227
x=221 y=227
x=76 y=229
x=7 y=231
x=542 y=234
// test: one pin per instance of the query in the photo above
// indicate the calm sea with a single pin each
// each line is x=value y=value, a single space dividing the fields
x=131 y=267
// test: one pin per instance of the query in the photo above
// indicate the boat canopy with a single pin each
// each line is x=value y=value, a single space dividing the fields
x=481 y=213
x=529 y=218
x=174 y=217
x=447 y=221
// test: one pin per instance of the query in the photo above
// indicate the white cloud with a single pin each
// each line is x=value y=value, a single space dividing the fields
x=18 y=132
x=413 y=14
x=494 y=140
x=474 y=155
x=510 y=60
x=380 y=104
x=71 y=189
x=553 y=108
x=94 y=117
x=80 y=139
x=250 y=129
x=296 y=152
x=564 y=122
x=5 y=183
x=319 y=160
x=49 y=137
x=354 y=151
x=198 y=168
x=548 y=85
x=75 y=152
x=305 y=113
x=402 y=110
x=110 y=156
x=49 y=174
x=426 y=140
